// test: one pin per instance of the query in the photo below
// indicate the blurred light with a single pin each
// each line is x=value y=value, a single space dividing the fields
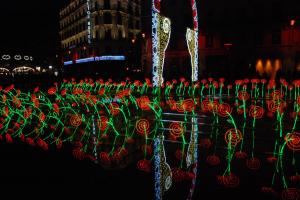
x=85 y=60
x=133 y=40
x=84 y=48
x=298 y=67
x=260 y=67
x=50 y=67
x=99 y=58
x=38 y=69
x=277 y=65
x=56 y=73
x=143 y=35
x=292 y=22
x=269 y=67
x=68 y=63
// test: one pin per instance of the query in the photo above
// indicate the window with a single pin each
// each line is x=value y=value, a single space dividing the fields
x=119 y=6
x=119 y=18
x=96 y=5
x=96 y=20
x=120 y=34
x=137 y=24
x=129 y=9
x=106 y=4
x=107 y=18
x=131 y=22
x=108 y=34
x=137 y=11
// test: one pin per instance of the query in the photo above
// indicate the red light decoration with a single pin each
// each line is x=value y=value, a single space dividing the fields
x=290 y=194
x=147 y=148
x=104 y=158
x=253 y=163
x=298 y=100
x=52 y=91
x=78 y=154
x=178 y=175
x=292 y=22
x=178 y=154
x=241 y=155
x=293 y=141
x=42 y=117
x=233 y=137
x=272 y=159
x=213 y=160
x=179 y=107
x=142 y=127
x=143 y=102
x=27 y=113
x=188 y=105
x=205 y=143
x=230 y=181
x=295 y=179
x=75 y=120
x=55 y=108
x=276 y=95
x=8 y=138
x=256 y=112
x=269 y=191
x=224 y=110
x=144 y=165
x=176 y=129
x=30 y=141
x=114 y=108
x=102 y=123
x=243 y=95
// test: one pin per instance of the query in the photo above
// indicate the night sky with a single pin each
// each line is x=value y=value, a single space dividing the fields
x=30 y=27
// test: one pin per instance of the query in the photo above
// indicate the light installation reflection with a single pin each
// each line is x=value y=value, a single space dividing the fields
x=105 y=121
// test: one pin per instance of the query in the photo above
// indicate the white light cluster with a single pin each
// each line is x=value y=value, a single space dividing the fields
x=192 y=43
x=16 y=57
x=161 y=32
x=89 y=23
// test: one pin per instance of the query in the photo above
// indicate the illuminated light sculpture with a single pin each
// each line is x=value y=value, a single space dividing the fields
x=293 y=141
x=192 y=42
x=161 y=32
x=142 y=127
x=176 y=129
x=163 y=173
x=233 y=137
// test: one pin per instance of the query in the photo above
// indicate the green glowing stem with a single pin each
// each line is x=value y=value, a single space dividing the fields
x=243 y=131
x=281 y=165
x=202 y=88
x=296 y=118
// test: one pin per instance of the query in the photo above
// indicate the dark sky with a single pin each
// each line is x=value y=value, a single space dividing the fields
x=29 y=27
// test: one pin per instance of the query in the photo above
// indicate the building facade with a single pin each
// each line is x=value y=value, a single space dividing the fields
x=90 y=28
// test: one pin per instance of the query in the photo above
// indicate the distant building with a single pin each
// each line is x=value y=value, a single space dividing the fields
x=92 y=28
